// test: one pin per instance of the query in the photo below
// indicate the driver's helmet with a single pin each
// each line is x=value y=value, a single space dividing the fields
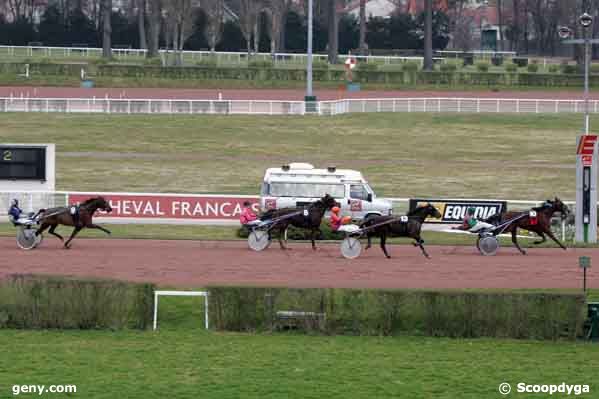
x=14 y=202
x=335 y=209
x=471 y=210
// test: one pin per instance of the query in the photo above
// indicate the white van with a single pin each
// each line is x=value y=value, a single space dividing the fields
x=298 y=184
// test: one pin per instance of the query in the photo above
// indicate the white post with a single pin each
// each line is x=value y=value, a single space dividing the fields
x=563 y=229
x=309 y=88
x=586 y=84
x=155 y=309
x=206 y=310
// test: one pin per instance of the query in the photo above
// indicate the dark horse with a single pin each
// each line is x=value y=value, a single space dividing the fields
x=410 y=228
x=308 y=217
x=543 y=223
x=54 y=216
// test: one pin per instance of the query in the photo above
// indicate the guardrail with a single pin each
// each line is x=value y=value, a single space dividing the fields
x=224 y=57
x=266 y=107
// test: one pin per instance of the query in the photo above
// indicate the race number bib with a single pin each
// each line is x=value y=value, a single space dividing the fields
x=306 y=213
x=532 y=217
x=403 y=219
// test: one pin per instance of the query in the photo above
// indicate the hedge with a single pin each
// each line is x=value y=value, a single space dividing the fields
x=406 y=76
x=383 y=312
x=39 y=302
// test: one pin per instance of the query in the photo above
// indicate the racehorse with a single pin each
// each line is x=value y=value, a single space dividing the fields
x=381 y=226
x=543 y=221
x=309 y=217
x=62 y=215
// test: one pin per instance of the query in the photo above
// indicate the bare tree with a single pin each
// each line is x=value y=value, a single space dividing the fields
x=363 y=27
x=248 y=16
x=179 y=26
x=155 y=21
x=499 y=5
x=215 y=12
x=333 y=31
x=141 y=23
x=428 y=35
x=107 y=29
x=276 y=10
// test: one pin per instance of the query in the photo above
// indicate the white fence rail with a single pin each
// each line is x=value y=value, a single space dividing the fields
x=265 y=107
x=224 y=57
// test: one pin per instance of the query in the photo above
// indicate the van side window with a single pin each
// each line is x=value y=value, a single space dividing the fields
x=357 y=191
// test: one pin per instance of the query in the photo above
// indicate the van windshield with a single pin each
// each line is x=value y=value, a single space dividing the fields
x=306 y=190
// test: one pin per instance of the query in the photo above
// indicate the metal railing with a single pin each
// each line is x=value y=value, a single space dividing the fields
x=276 y=107
x=224 y=57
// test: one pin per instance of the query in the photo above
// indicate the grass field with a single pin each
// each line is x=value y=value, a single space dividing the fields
x=407 y=155
x=183 y=361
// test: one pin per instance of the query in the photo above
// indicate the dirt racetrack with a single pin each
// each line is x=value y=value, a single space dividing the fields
x=200 y=263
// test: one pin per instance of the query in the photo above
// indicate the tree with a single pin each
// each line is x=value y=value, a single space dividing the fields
x=214 y=10
x=106 y=29
x=155 y=22
x=333 y=31
x=248 y=18
x=363 y=27
x=141 y=23
x=277 y=11
x=179 y=26
x=428 y=35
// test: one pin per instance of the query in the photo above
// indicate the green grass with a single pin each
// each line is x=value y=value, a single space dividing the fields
x=407 y=155
x=183 y=361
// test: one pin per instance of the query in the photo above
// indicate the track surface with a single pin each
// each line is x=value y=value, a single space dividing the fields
x=199 y=263
x=275 y=94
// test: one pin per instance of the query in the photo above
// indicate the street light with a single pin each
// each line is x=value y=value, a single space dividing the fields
x=564 y=32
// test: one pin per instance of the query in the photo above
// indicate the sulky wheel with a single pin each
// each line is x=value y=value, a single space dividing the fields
x=258 y=240
x=487 y=245
x=26 y=238
x=351 y=247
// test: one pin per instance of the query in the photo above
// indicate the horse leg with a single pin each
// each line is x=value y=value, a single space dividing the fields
x=95 y=226
x=383 y=246
x=52 y=231
x=543 y=238
x=312 y=231
x=43 y=227
x=73 y=234
x=369 y=236
x=550 y=234
x=515 y=241
x=420 y=243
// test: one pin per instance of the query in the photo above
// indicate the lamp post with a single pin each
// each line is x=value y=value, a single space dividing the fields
x=310 y=99
x=586 y=152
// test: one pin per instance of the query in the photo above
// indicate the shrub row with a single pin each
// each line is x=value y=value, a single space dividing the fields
x=380 y=312
x=407 y=75
x=33 y=302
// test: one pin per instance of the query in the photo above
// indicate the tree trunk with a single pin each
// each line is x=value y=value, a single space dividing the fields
x=282 y=34
x=333 y=32
x=154 y=28
x=500 y=23
x=428 y=36
x=363 y=27
x=257 y=34
x=107 y=30
x=516 y=26
x=141 y=23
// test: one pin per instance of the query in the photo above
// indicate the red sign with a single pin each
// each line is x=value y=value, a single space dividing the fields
x=355 y=206
x=587 y=160
x=152 y=206
x=586 y=145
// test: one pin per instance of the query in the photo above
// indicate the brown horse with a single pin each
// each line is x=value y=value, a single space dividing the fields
x=392 y=226
x=54 y=216
x=543 y=221
x=309 y=217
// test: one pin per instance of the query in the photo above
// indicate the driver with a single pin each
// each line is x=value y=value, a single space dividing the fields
x=472 y=224
x=336 y=220
x=14 y=213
